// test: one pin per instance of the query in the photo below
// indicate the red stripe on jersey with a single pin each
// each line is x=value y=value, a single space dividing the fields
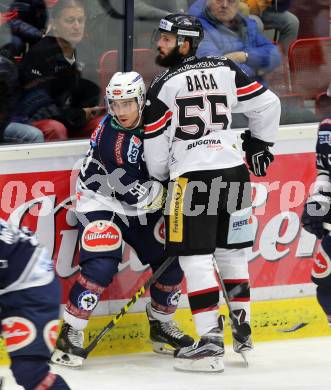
x=158 y=124
x=201 y=292
x=205 y=310
x=233 y=281
x=240 y=299
x=249 y=88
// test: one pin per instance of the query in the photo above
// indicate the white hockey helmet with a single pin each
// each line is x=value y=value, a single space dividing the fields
x=126 y=85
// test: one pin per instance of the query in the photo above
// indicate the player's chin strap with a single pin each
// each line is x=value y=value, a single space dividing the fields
x=84 y=352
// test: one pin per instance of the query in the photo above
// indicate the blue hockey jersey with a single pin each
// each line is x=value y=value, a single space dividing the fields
x=24 y=262
x=323 y=148
x=113 y=175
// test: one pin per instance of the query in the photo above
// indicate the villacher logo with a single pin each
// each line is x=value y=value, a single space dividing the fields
x=101 y=236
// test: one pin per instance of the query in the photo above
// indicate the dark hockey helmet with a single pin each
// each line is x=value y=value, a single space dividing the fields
x=184 y=26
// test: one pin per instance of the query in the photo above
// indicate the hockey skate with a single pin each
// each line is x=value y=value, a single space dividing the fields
x=241 y=333
x=205 y=355
x=68 y=341
x=165 y=334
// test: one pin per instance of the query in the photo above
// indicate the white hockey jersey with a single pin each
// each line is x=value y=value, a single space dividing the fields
x=188 y=116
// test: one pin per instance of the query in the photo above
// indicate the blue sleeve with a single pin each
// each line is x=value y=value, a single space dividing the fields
x=208 y=47
x=25 y=31
x=262 y=54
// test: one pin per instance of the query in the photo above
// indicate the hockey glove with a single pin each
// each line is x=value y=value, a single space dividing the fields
x=315 y=212
x=258 y=156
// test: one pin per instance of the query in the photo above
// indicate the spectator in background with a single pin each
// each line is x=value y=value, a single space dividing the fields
x=245 y=10
x=147 y=12
x=29 y=25
x=228 y=33
x=11 y=131
x=106 y=21
x=51 y=77
x=276 y=16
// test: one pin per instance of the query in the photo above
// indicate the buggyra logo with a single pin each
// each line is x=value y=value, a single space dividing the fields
x=133 y=152
x=206 y=142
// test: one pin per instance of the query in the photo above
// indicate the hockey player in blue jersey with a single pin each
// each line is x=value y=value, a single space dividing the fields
x=117 y=201
x=317 y=214
x=29 y=307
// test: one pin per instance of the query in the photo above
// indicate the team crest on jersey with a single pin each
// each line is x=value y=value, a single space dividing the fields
x=101 y=236
x=324 y=137
x=173 y=298
x=18 y=332
x=87 y=300
x=322 y=265
x=50 y=334
x=133 y=152
x=159 y=231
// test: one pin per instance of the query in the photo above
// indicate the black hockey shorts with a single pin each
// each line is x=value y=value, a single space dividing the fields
x=209 y=209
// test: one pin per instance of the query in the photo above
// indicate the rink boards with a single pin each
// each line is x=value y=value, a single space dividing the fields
x=37 y=189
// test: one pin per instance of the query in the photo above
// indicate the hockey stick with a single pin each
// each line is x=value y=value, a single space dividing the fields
x=84 y=352
x=245 y=329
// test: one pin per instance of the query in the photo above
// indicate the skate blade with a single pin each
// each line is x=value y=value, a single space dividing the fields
x=207 y=364
x=66 y=359
x=162 y=348
x=243 y=355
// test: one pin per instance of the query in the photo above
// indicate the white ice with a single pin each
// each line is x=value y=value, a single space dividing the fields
x=301 y=364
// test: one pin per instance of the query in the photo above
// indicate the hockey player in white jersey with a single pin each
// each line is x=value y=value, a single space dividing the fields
x=189 y=141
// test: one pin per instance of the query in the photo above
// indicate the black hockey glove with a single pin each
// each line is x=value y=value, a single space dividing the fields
x=315 y=212
x=258 y=156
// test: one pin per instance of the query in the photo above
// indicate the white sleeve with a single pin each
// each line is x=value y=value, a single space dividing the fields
x=263 y=112
x=156 y=153
x=157 y=120
x=260 y=105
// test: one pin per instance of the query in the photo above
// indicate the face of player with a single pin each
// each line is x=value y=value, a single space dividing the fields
x=169 y=53
x=223 y=10
x=166 y=44
x=126 y=112
x=70 y=24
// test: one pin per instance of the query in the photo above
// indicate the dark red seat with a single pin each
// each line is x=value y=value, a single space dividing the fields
x=310 y=66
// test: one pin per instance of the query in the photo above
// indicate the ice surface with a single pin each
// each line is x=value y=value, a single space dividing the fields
x=303 y=364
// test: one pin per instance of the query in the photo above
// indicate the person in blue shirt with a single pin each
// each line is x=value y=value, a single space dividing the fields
x=116 y=202
x=29 y=307
x=228 y=33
